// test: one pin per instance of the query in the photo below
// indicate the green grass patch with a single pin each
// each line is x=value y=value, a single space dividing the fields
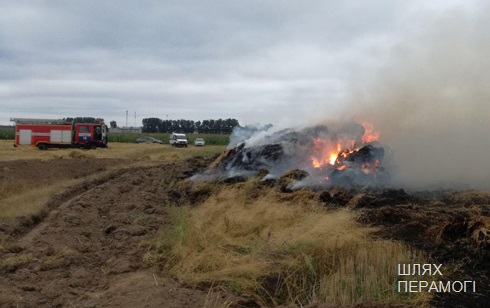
x=7 y=134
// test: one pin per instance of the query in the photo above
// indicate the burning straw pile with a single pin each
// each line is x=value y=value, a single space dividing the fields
x=295 y=217
x=348 y=156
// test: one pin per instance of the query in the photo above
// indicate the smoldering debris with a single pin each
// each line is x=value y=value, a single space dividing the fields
x=345 y=156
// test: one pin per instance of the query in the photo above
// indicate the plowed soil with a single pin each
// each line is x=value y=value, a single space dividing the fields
x=88 y=251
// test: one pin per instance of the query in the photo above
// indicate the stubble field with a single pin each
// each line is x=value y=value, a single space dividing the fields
x=125 y=227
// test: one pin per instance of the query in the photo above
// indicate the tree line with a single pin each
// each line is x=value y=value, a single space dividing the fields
x=156 y=125
x=84 y=120
x=220 y=126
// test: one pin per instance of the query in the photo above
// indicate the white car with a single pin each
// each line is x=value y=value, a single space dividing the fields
x=178 y=140
x=199 y=142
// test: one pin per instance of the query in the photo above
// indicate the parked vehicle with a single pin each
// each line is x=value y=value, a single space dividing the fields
x=148 y=139
x=199 y=142
x=178 y=140
x=49 y=133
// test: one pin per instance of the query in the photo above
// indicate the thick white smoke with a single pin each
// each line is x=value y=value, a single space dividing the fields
x=431 y=102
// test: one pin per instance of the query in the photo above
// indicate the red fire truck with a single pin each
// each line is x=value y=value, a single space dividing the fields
x=46 y=133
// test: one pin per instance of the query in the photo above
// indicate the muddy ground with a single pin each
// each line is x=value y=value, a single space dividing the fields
x=87 y=249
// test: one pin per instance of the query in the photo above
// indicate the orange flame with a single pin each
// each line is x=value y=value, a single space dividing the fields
x=368 y=168
x=335 y=155
x=370 y=133
x=315 y=162
x=324 y=154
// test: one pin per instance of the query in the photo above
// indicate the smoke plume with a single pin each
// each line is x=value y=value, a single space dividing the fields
x=431 y=102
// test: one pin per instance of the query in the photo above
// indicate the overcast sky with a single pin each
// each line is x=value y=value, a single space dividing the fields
x=257 y=61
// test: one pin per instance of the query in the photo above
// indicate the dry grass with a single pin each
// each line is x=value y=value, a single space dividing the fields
x=130 y=151
x=281 y=252
x=29 y=202
x=33 y=199
x=471 y=197
x=58 y=253
x=10 y=264
x=8 y=188
x=216 y=300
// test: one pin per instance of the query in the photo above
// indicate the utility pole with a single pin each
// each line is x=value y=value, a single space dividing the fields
x=126 y=118
x=135 y=119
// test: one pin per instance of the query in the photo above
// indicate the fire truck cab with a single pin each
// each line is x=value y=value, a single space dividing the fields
x=90 y=135
x=46 y=133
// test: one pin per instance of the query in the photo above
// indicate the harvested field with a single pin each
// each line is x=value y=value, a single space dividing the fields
x=95 y=257
x=82 y=243
x=125 y=227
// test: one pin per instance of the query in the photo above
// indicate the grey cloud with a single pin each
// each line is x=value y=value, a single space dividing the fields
x=242 y=59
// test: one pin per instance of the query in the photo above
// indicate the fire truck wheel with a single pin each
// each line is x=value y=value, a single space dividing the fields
x=42 y=146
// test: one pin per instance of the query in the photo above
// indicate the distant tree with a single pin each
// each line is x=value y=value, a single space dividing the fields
x=90 y=120
x=205 y=128
x=113 y=124
x=229 y=124
x=218 y=126
x=151 y=125
x=174 y=126
x=84 y=120
x=187 y=126
x=210 y=126
x=164 y=126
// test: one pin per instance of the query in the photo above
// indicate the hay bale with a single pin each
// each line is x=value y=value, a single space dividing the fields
x=268 y=180
x=295 y=174
x=290 y=177
x=219 y=159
